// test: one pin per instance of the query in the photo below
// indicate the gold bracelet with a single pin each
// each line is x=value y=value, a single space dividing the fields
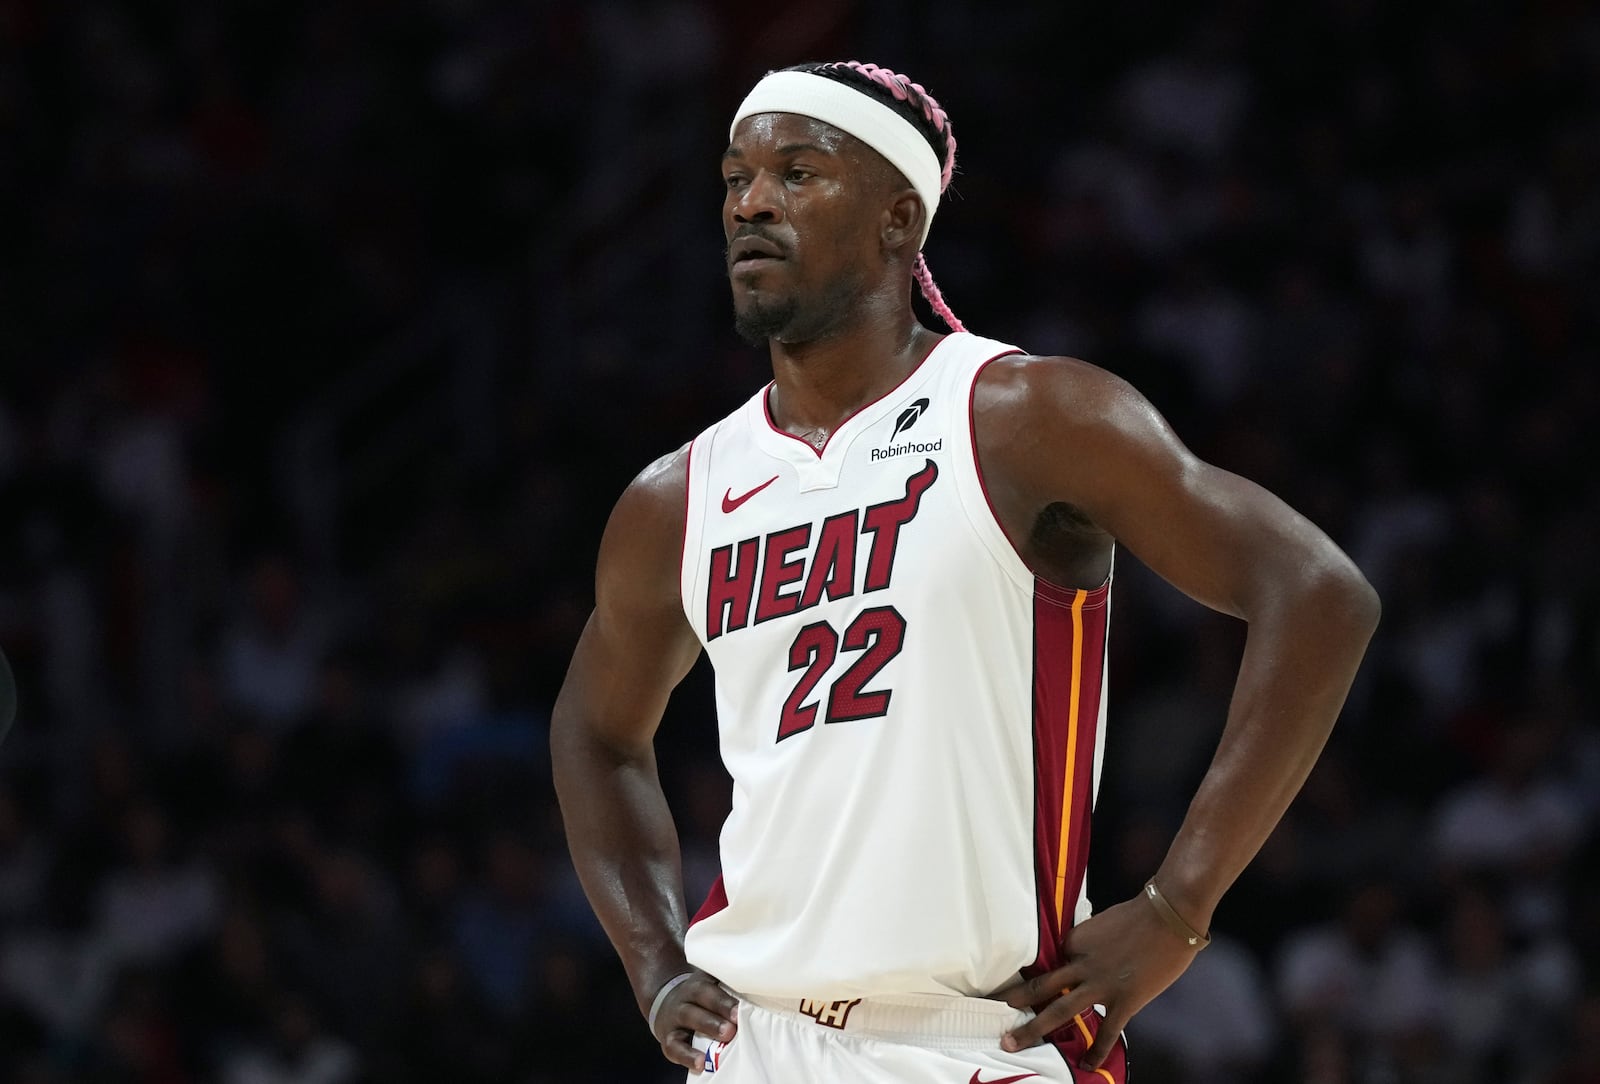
x=1194 y=937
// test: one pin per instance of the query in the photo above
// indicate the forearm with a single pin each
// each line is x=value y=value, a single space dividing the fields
x=1300 y=658
x=625 y=848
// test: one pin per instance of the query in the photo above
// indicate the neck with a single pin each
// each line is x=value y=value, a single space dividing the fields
x=820 y=383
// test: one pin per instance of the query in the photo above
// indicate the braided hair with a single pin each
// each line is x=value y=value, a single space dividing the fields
x=919 y=107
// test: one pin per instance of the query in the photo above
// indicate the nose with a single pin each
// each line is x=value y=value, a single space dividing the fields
x=758 y=201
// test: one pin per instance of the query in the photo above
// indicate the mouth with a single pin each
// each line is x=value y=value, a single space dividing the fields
x=752 y=264
x=752 y=254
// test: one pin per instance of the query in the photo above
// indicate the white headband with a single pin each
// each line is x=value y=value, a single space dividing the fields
x=859 y=114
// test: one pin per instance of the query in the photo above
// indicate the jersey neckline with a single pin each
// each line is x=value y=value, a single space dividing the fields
x=790 y=442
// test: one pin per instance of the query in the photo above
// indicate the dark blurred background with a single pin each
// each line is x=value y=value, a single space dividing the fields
x=330 y=329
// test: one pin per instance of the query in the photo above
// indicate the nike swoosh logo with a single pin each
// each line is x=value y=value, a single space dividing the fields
x=730 y=503
x=1000 y=1080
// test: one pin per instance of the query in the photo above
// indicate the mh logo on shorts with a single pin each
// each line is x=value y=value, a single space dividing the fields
x=830 y=1014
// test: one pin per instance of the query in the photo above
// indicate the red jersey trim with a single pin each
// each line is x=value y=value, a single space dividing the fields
x=688 y=507
x=716 y=900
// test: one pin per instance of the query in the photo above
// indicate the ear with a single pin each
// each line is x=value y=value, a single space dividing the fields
x=902 y=222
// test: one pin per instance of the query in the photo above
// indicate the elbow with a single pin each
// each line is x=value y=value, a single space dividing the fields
x=1342 y=593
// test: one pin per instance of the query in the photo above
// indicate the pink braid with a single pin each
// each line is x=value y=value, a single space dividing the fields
x=930 y=290
x=917 y=96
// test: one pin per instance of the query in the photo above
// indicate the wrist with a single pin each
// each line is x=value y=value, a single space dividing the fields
x=662 y=994
x=1193 y=936
x=1194 y=898
x=649 y=980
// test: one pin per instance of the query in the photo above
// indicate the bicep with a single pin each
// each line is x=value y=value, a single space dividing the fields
x=637 y=644
x=1220 y=538
x=1215 y=536
x=626 y=665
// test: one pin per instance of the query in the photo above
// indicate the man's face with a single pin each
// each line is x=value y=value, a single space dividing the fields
x=801 y=215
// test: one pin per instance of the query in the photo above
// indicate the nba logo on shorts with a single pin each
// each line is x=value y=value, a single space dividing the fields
x=714 y=1054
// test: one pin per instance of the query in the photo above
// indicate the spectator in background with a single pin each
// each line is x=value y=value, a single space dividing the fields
x=272 y=653
x=1215 y=1024
x=155 y=903
x=296 y=1050
x=1501 y=1000
x=1519 y=822
x=1368 y=977
x=57 y=970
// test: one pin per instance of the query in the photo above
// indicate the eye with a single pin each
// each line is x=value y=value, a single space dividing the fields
x=797 y=173
x=733 y=180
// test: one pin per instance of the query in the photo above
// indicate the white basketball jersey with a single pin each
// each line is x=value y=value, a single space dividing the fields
x=911 y=718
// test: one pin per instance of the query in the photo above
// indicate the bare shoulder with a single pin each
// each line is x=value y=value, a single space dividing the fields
x=643 y=542
x=1031 y=412
x=1029 y=389
x=1059 y=430
x=661 y=489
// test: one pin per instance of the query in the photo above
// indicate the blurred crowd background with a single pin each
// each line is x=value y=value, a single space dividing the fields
x=330 y=329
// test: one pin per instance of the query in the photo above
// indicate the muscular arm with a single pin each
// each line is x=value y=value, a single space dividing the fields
x=635 y=648
x=1058 y=430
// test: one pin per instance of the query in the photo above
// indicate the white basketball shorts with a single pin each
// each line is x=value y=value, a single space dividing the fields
x=910 y=1039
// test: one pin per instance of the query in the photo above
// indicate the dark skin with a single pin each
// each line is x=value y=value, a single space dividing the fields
x=1075 y=459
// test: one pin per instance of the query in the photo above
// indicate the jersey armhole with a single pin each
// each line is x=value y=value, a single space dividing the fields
x=980 y=510
x=971 y=488
x=694 y=507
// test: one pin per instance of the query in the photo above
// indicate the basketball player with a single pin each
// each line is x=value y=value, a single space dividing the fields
x=898 y=556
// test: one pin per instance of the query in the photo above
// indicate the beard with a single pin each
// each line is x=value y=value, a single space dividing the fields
x=787 y=318
x=762 y=320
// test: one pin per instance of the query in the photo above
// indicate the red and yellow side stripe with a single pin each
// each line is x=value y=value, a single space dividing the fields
x=1069 y=659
